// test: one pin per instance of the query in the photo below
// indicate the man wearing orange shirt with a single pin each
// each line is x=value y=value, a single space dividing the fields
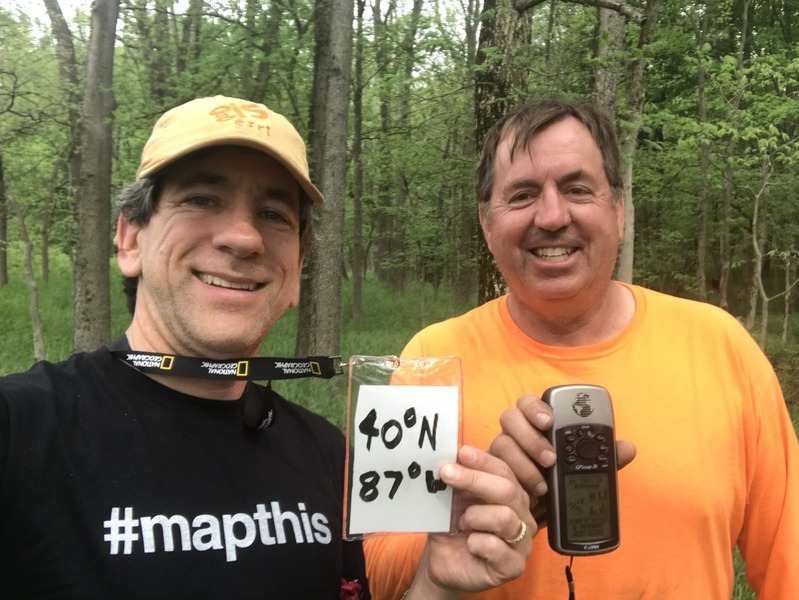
x=717 y=460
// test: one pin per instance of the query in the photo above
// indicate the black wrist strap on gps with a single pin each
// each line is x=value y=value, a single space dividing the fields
x=570 y=578
x=253 y=368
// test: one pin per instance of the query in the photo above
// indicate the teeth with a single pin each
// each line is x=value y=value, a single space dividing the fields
x=552 y=252
x=211 y=280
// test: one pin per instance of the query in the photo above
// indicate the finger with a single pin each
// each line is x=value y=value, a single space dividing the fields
x=476 y=459
x=625 y=453
x=527 y=424
x=503 y=562
x=501 y=521
x=522 y=439
x=485 y=477
x=537 y=412
x=529 y=474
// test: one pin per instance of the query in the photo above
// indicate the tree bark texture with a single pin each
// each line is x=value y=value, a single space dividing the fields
x=386 y=252
x=725 y=242
x=703 y=201
x=499 y=85
x=30 y=280
x=320 y=310
x=358 y=254
x=92 y=295
x=609 y=52
x=3 y=226
x=68 y=70
x=465 y=278
x=628 y=140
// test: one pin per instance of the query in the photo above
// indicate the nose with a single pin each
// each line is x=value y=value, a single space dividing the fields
x=239 y=232
x=552 y=210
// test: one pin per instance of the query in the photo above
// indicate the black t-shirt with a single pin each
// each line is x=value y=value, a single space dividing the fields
x=114 y=486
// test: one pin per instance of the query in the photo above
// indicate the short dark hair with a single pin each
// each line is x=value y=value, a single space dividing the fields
x=138 y=202
x=529 y=119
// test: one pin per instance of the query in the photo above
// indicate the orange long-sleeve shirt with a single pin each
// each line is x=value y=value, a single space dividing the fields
x=717 y=462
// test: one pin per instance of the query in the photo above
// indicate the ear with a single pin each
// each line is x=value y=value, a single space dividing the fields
x=296 y=299
x=485 y=225
x=620 y=216
x=128 y=248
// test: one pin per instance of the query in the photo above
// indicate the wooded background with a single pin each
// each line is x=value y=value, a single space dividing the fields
x=394 y=97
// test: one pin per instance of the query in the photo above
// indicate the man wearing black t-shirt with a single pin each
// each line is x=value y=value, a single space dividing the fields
x=131 y=472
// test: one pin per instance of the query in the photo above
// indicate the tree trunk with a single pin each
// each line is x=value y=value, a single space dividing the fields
x=609 y=51
x=498 y=86
x=48 y=210
x=725 y=248
x=33 y=288
x=92 y=295
x=755 y=282
x=401 y=210
x=68 y=72
x=725 y=251
x=3 y=226
x=386 y=253
x=259 y=86
x=704 y=164
x=252 y=9
x=764 y=323
x=163 y=57
x=759 y=235
x=790 y=281
x=320 y=311
x=188 y=46
x=157 y=52
x=69 y=80
x=628 y=140
x=610 y=47
x=358 y=258
x=465 y=272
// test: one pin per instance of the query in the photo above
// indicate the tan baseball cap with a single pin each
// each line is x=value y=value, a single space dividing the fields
x=218 y=121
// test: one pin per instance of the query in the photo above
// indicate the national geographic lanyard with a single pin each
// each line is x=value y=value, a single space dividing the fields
x=254 y=368
x=258 y=408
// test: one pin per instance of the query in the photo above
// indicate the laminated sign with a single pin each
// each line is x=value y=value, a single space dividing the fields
x=403 y=423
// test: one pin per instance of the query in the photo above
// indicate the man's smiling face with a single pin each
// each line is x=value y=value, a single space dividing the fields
x=219 y=261
x=552 y=222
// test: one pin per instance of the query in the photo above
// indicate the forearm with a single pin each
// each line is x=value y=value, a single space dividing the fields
x=424 y=588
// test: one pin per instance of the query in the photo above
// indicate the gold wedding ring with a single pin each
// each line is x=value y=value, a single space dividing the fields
x=517 y=540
